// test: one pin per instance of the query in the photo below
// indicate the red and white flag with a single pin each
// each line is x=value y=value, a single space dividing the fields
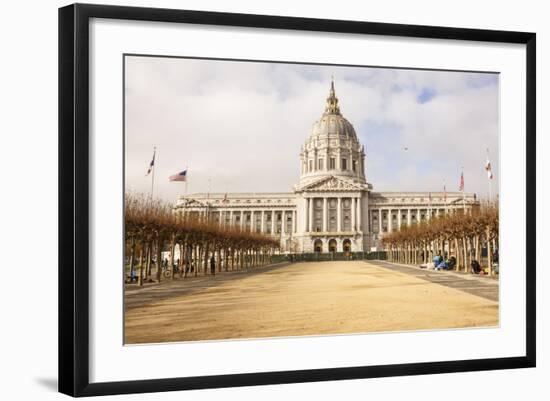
x=488 y=168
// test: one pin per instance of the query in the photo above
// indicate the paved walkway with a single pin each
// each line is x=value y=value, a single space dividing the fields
x=482 y=286
x=311 y=298
x=135 y=296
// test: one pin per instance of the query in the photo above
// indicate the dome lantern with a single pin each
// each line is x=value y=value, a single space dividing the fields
x=332 y=101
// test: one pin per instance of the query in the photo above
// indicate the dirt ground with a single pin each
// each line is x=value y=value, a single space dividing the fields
x=299 y=299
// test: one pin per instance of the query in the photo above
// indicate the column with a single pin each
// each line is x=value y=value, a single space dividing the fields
x=339 y=215
x=242 y=221
x=231 y=221
x=295 y=220
x=390 y=221
x=380 y=221
x=409 y=217
x=353 y=206
x=325 y=228
x=272 y=222
x=283 y=222
x=252 y=225
x=359 y=221
x=262 y=224
x=399 y=220
x=310 y=225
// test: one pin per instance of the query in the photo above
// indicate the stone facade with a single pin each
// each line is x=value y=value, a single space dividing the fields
x=333 y=207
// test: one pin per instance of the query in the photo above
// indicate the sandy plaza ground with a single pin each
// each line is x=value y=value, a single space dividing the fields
x=308 y=299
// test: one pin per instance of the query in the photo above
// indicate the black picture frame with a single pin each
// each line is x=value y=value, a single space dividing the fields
x=74 y=201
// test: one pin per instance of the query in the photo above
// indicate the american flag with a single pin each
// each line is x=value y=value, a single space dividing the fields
x=152 y=164
x=225 y=200
x=445 y=193
x=181 y=176
x=461 y=186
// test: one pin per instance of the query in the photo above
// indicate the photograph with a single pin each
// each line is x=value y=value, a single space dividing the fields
x=271 y=199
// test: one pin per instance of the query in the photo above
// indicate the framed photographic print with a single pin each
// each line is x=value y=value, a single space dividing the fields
x=251 y=199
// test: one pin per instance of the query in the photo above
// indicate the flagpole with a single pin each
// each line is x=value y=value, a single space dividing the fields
x=186 y=179
x=462 y=183
x=489 y=176
x=445 y=196
x=153 y=172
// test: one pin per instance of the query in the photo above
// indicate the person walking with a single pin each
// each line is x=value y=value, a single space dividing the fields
x=212 y=265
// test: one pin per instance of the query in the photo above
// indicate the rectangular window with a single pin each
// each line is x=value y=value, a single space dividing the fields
x=355 y=166
x=320 y=164
x=332 y=165
x=344 y=164
x=288 y=227
x=310 y=166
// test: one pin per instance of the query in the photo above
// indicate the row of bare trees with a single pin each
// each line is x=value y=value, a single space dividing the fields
x=151 y=227
x=462 y=235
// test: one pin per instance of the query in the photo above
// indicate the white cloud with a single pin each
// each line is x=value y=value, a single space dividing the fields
x=240 y=125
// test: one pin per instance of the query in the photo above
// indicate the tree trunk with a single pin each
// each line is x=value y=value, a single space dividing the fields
x=198 y=255
x=457 y=255
x=465 y=254
x=172 y=250
x=489 y=254
x=149 y=255
x=140 y=278
x=132 y=257
x=206 y=252
x=160 y=243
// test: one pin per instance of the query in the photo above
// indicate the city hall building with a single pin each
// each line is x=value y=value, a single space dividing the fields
x=332 y=208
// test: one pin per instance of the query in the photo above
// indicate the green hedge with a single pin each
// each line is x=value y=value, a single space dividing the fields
x=321 y=257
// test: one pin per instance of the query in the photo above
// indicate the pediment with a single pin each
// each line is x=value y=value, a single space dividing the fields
x=332 y=183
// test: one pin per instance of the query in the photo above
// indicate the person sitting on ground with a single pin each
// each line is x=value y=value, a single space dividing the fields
x=452 y=262
x=437 y=259
x=476 y=268
x=442 y=265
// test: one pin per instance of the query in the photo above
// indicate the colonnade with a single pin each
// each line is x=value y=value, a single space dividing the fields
x=268 y=223
x=325 y=225
x=406 y=216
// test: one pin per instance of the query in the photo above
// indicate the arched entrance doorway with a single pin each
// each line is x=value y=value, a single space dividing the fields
x=332 y=246
x=318 y=246
x=347 y=245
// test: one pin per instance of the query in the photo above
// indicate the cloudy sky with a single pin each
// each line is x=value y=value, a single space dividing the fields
x=238 y=126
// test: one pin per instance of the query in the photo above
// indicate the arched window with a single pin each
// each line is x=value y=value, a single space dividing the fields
x=346 y=245
x=318 y=246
